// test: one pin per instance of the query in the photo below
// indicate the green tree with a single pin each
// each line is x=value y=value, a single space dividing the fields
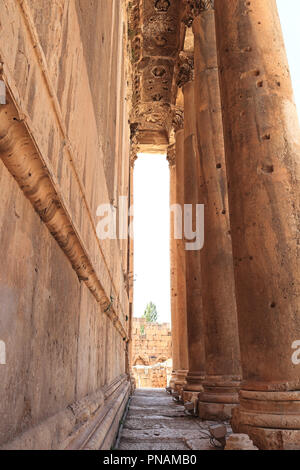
x=150 y=313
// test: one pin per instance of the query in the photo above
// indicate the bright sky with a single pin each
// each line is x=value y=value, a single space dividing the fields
x=289 y=12
x=151 y=196
x=151 y=235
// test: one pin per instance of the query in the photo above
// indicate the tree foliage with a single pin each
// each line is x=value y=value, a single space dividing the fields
x=150 y=313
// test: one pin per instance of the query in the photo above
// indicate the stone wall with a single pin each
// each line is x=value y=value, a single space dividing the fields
x=151 y=353
x=64 y=148
x=155 y=376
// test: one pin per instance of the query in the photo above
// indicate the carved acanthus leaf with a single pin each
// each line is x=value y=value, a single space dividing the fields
x=134 y=150
x=193 y=8
x=185 y=69
x=171 y=155
x=178 y=119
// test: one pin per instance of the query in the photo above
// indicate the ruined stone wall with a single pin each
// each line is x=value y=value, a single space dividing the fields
x=155 y=376
x=64 y=147
x=151 y=353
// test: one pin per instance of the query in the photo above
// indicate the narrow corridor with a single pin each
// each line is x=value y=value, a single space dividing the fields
x=156 y=422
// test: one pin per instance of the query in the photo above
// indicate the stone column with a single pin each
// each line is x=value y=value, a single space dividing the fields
x=130 y=276
x=195 y=324
x=222 y=352
x=180 y=257
x=171 y=157
x=262 y=146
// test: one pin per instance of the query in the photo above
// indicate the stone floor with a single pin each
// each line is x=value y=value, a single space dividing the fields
x=156 y=422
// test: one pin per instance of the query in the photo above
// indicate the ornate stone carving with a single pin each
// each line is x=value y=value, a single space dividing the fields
x=178 y=119
x=162 y=5
x=201 y=5
x=174 y=122
x=185 y=69
x=171 y=155
x=154 y=34
x=193 y=8
x=133 y=155
x=134 y=147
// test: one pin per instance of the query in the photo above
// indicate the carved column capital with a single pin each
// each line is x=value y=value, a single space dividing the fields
x=185 y=69
x=194 y=8
x=174 y=123
x=171 y=155
x=178 y=119
x=133 y=157
x=134 y=147
x=134 y=150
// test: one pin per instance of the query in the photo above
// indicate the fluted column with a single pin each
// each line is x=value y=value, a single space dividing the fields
x=195 y=325
x=222 y=352
x=171 y=157
x=262 y=145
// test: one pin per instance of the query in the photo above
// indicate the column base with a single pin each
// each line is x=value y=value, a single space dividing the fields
x=171 y=383
x=219 y=397
x=270 y=418
x=188 y=396
x=180 y=380
x=193 y=386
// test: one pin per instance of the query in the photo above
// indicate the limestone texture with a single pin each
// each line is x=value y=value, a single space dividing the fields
x=86 y=86
x=239 y=442
x=151 y=353
x=262 y=134
x=64 y=304
x=155 y=422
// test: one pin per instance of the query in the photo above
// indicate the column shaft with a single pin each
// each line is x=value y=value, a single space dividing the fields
x=130 y=275
x=180 y=268
x=222 y=353
x=195 y=325
x=262 y=145
x=173 y=271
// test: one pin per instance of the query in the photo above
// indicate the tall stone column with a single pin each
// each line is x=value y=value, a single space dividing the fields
x=262 y=145
x=171 y=157
x=130 y=275
x=195 y=324
x=180 y=257
x=222 y=351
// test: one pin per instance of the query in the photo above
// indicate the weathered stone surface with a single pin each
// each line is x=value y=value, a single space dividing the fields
x=222 y=350
x=195 y=319
x=181 y=306
x=165 y=426
x=262 y=134
x=171 y=157
x=64 y=335
x=155 y=37
x=239 y=442
x=218 y=431
x=88 y=86
x=151 y=353
x=91 y=423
